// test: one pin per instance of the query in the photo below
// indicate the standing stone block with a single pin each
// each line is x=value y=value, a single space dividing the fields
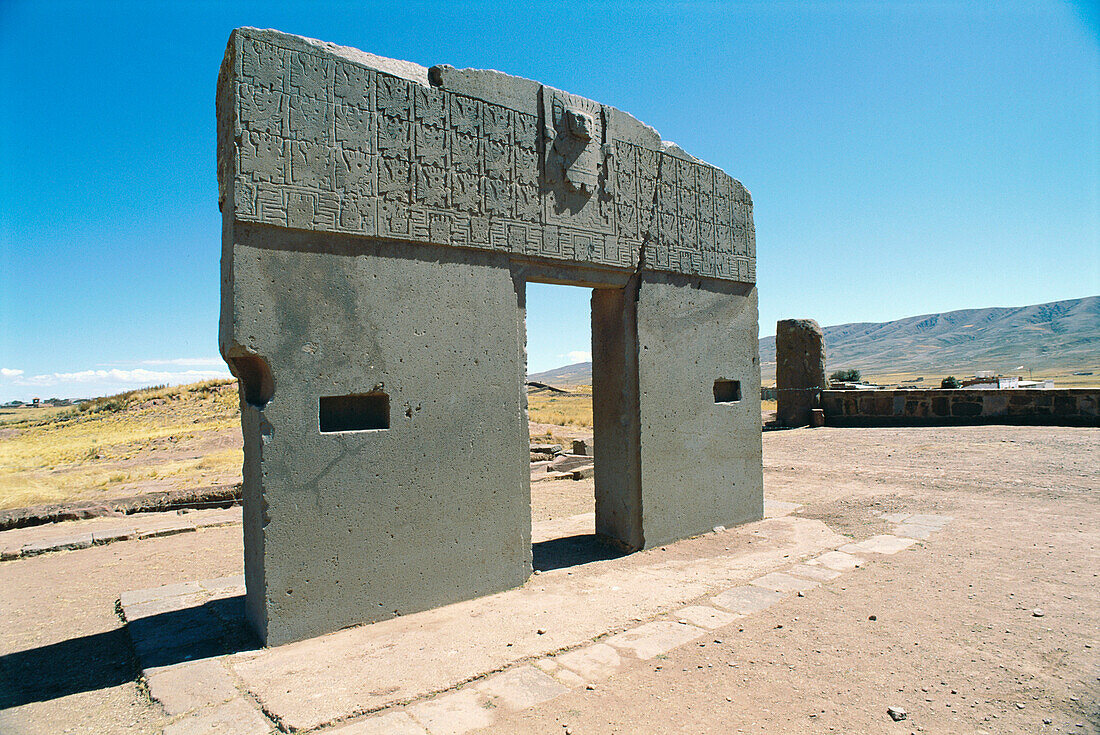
x=799 y=370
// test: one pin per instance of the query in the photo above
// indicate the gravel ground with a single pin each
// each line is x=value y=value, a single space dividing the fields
x=991 y=626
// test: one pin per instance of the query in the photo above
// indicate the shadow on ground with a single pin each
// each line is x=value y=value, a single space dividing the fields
x=107 y=659
x=570 y=551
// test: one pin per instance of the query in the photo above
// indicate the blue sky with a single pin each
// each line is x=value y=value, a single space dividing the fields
x=903 y=157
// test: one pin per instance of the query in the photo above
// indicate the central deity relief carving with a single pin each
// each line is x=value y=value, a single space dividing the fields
x=573 y=137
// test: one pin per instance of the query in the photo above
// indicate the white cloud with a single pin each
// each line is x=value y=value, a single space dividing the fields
x=116 y=376
x=188 y=362
x=579 y=356
x=10 y=373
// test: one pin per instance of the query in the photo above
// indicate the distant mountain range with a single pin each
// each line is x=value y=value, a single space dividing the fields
x=1061 y=334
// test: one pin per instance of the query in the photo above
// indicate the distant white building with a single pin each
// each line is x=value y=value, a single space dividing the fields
x=991 y=382
x=1047 y=384
x=1001 y=382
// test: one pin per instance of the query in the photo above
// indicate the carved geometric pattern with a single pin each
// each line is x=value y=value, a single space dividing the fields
x=326 y=143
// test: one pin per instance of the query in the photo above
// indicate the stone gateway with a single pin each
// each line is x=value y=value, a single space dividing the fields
x=380 y=223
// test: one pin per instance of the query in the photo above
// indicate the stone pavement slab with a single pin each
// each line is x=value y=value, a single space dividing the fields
x=165 y=528
x=453 y=714
x=387 y=723
x=112 y=535
x=747 y=599
x=653 y=639
x=777 y=508
x=781 y=582
x=236 y=717
x=928 y=519
x=192 y=686
x=523 y=686
x=706 y=616
x=820 y=573
x=58 y=543
x=591 y=663
x=838 y=561
x=881 y=544
x=913 y=531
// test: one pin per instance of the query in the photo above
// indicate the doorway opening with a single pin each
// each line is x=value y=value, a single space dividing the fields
x=562 y=427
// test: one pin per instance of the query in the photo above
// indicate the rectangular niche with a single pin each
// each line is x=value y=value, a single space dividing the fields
x=359 y=412
x=727 y=391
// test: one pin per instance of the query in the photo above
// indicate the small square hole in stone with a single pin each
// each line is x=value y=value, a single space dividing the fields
x=360 y=412
x=727 y=391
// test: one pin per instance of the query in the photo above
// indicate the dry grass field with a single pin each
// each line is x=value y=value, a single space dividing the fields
x=189 y=436
x=155 y=439
x=561 y=409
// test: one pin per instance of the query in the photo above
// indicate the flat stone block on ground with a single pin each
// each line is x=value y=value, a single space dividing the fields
x=236 y=717
x=747 y=600
x=191 y=686
x=777 y=508
x=111 y=535
x=453 y=714
x=591 y=663
x=781 y=582
x=165 y=529
x=929 y=519
x=912 y=530
x=652 y=639
x=881 y=544
x=838 y=561
x=158 y=593
x=820 y=573
x=63 y=543
x=524 y=686
x=706 y=616
x=388 y=723
x=162 y=605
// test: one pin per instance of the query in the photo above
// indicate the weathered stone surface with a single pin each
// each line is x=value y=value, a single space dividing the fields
x=325 y=138
x=911 y=407
x=781 y=582
x=191 y=686
x=168 y=528
x=705 y=616
x=454 y=713
x=380 y=223
x=652 y=639
x=62 y=543
x=235 y=717
x=799 y=370
x=111 y=535
x=838 y=561
x=819 y=573
x=747 y=600
x=591 y=663
x=523 y=686
x=914 y=531
x=387 y=723
x=881 y=544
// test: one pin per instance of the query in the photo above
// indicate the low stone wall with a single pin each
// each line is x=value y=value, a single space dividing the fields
x=1065 y=407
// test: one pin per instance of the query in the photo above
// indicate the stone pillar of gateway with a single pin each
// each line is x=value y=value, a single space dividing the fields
x=380 y=222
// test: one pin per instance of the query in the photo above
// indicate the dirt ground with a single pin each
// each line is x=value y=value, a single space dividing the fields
x=990 y=627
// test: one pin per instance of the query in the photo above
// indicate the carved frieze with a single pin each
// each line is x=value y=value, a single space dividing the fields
x=320 y=140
